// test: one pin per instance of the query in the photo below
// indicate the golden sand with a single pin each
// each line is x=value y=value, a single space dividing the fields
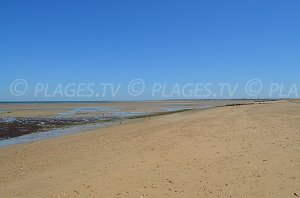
x=240 y=151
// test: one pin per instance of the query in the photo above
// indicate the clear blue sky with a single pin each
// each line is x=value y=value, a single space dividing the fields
x=158 y=41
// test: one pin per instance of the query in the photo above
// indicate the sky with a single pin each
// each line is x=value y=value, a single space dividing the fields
x=169 y=42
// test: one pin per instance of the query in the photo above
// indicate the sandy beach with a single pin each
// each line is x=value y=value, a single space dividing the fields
x=150 y=99
x=47 y=109
x=233 y=151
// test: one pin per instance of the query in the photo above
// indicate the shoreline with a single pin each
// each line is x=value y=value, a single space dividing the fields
x=238 y=151
x=42 y=131
x=81 y=128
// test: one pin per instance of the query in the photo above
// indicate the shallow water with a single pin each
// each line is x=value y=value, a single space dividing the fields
x=7 y=120
x=113 y=113
x=122 y=114
x=21 y=130
x=52 y=133
x=174 y=108
x=86 y=110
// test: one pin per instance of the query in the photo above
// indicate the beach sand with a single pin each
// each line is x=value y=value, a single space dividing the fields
x=44 y=109
x=236 y=151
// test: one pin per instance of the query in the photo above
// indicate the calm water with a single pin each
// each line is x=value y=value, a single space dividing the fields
x=97 y=112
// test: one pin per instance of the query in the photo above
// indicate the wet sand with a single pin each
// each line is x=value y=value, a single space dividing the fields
x=31 y=121
x=234 y=151
x=55 y=108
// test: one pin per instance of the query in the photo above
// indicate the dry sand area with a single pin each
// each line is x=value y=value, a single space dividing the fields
x=236 y=151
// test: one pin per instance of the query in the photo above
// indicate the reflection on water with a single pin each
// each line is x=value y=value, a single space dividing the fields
x=8 y=120
x=52 y=133
x=128 y=114
x=86 y=110
x=22 y=130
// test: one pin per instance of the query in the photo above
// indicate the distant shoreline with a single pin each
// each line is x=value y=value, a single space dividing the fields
x=130 y=101
x=156 y=156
